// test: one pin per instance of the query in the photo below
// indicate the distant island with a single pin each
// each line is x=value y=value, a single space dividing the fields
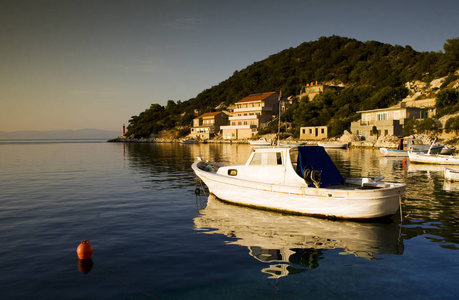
x=59 y=134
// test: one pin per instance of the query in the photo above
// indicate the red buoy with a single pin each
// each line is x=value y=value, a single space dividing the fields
x=84 y=250
x=404 y=161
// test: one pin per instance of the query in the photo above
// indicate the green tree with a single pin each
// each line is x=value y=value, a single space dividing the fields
x=447 y=97
x=427 y=125
x=409 y=128
x=452 y=125
x=451 y=48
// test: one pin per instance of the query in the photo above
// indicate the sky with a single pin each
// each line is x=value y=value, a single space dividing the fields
x=74 y=64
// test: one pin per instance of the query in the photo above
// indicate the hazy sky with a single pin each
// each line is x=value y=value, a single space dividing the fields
x=73 y=64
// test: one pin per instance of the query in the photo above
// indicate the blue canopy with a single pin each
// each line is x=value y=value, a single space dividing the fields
x=316 y=158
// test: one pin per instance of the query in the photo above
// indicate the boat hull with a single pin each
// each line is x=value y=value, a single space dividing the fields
x=332 y=145
x=404 y=153
x=323 y=202
x=438 y=159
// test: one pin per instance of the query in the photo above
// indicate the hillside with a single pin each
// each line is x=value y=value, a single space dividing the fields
x=58 y=134
x=373 y=73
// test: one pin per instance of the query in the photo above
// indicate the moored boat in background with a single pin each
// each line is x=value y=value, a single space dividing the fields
x=406 y=145
x=447 y=150
x=426 y=158
x=333 y=145
x=260 y=142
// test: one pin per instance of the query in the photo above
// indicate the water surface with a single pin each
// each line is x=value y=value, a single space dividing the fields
x=153 y=238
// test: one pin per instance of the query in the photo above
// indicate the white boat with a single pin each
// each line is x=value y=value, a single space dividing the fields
x=406 y=145
x=452 y=174
x=274 y=239
x=333 y=145
x=438 y=159
x=262 y=142
x=447 y=150
x=188 y=141
x=300 y=180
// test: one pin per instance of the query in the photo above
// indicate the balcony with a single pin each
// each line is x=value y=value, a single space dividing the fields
x=378 y=123
x=239 y=118
x=251 y=109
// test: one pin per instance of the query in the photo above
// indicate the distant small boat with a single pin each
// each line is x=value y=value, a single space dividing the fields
x=188 y=141
x=260 y=142
x=425 y=158
x=334 y=145
x=452 y=174
x=447 y=150
x=406 y=145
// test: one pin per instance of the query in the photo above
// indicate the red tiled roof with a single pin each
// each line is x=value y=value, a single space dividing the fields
x=256 y=97
x=207 y=115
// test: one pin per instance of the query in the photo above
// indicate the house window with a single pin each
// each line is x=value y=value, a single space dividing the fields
x=304 y=131
x=239 y=123
x=424 y=114
x=322 y=131
x=245 y=122
x=310 y=130
x=381 y=116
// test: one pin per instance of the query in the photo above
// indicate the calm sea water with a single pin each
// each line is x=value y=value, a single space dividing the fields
x=153 y=238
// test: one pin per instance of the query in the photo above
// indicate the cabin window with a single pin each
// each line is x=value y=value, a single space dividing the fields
x=267 y=159
x=256 y=160
x=274 y=158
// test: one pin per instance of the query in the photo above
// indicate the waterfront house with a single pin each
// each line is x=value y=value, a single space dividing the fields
x=313 y=133
x=251 y=114
x=387 y=121
x=208 y=125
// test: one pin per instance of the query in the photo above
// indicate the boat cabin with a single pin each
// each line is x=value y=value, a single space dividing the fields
x=298 y=166
x=409 y=143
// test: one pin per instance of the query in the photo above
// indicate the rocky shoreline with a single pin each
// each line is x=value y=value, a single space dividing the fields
x=353 y=141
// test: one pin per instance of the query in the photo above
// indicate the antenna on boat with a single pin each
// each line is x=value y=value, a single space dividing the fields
x=278 y=127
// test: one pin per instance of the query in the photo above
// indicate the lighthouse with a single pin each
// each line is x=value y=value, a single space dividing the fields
x=124 y=129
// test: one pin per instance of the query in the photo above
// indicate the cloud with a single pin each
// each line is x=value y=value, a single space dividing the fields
x=182 y=24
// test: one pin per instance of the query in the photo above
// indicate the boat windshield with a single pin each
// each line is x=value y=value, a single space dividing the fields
x=266 y=159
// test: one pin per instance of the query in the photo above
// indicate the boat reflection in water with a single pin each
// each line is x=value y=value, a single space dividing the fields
x=293 y=244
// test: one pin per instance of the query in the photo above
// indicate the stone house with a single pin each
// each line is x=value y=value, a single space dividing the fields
x=387 y=121
x=313 y=89
x=316 y=133
x=208 y=125
x=251 y=114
